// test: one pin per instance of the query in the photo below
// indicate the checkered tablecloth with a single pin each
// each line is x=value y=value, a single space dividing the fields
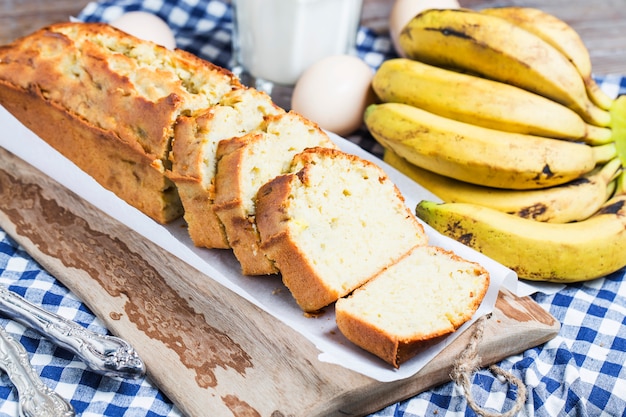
x=581 y=372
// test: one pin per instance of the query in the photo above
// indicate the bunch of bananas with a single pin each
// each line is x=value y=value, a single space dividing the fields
x=495 y=112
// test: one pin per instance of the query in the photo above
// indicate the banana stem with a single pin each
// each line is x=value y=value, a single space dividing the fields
x=604 y=153
x=618 y=126
x=620 y=188
x=596 y=135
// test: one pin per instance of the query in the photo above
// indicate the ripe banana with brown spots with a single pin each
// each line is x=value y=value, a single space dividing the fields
x=479 y=155
x=560 y=35
x=568 y=252
x=476 y=100
x=497 y=49
x=572 y=201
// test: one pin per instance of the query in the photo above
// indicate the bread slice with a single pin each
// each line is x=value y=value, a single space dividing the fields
x=194 y=161
x=429 y=293
x=109 y=101
x=332 y=225
x=244 y=165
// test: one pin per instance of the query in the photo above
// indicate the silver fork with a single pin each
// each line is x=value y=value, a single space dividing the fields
x=36 y=399
x=106 y=355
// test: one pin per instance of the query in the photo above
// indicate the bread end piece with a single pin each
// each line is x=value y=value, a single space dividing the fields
x=108 y=101
x=427 y=294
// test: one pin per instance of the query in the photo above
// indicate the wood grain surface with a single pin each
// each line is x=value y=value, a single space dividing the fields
x=204 y=346
x=601 y=23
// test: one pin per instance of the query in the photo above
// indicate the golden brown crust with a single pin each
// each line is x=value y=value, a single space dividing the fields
x=121 y=168
x=387 y=347
x=204 y=227
x=310 y=293
x=240 y=228
x=362 y=334
x=127 y=92
x=75 y=78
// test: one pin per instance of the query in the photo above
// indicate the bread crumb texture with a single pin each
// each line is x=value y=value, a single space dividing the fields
x=349 y=219
x=273 y=151
x=429 y=293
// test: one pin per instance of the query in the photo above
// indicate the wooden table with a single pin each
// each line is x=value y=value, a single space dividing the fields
x=601 y=23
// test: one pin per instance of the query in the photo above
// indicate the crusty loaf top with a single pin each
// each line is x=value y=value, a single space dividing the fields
x=115 y=81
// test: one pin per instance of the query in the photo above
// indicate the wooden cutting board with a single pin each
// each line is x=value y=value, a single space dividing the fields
x=209 y=350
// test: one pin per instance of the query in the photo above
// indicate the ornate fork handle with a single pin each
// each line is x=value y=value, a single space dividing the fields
x=36 y=399
x=106 y=355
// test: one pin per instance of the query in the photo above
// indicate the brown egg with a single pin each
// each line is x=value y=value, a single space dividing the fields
x=334 y=93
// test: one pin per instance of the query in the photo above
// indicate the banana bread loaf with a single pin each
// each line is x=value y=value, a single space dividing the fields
x=170 y=133
x=333 y=224
x=109 y=102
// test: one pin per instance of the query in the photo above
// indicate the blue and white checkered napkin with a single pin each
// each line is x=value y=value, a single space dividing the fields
x=89 y=393
x=203 y=27
x=579 y=373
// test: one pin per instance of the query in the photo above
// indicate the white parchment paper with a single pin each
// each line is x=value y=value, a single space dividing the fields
x=220 y=265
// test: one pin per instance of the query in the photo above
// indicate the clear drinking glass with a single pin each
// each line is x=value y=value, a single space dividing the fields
x=275 y=41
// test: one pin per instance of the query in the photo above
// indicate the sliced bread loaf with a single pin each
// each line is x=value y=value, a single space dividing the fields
x=194 y=160
x=429 y=293
x=109 y=101
x=333 y=224
x=244 y=165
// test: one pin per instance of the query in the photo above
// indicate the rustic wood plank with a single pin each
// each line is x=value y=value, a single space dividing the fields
x=204 y=346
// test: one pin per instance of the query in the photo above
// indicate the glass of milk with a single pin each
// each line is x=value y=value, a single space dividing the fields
x=275 y=41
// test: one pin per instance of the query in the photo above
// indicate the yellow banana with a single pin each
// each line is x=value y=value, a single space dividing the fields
x=480 y=101
x=573 y=201
x=497 y=49
x=479 y=155
x=540 y=251
x=560 y=35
